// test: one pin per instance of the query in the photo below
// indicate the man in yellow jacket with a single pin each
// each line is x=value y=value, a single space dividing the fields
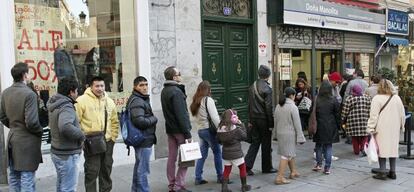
x=93 y=108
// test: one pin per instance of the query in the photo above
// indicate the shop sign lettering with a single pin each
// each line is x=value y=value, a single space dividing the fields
x=397 y=22
x=39 y=31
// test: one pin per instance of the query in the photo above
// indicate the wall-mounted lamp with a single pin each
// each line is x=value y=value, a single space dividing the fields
x=82 y=17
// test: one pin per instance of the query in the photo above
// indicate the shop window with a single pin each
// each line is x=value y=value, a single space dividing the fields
x=79 y=38
x=59 y=38
x=363 y=61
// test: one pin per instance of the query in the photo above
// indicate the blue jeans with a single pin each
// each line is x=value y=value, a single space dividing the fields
x=67 y=172
x=208 y=140
x=141 y=169
x=21 y=181
x=326 y=151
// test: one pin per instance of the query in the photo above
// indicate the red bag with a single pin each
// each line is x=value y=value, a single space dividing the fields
x=312 y=126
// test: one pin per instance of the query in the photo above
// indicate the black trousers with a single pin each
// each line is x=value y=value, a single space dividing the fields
x=99 y=165
x=261 y=137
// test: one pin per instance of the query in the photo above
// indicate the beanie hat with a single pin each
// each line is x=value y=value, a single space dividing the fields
x=263 y=72
x=335 y=76
x=356 y=90
x=289 y=91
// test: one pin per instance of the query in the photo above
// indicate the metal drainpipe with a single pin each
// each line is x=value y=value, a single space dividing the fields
x=313 y=65
x=275 y=66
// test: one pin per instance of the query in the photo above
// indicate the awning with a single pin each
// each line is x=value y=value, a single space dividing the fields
x=395 y=41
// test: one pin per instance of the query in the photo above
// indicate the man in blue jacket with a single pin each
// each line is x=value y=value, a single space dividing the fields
x=142 y=118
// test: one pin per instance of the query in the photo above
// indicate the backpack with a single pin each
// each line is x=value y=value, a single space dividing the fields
x=133 y=136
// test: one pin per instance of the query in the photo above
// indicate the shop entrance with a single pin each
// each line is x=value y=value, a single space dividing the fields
x=227 y=64
x=329 y=62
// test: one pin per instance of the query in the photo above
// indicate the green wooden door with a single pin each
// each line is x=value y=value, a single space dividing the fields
x=227 y=64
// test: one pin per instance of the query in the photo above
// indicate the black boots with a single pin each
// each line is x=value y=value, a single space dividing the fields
x=245 y=187
x=224 y=187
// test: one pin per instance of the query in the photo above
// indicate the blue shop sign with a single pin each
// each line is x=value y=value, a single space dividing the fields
x=397 y=22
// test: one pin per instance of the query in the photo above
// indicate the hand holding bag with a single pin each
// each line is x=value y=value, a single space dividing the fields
x=95 y=143
x=371 y=149
x=190 y=151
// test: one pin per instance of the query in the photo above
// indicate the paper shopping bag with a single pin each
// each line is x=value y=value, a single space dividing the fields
x=190 y=151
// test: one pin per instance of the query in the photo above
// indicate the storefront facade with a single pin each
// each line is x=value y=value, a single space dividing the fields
x=59 y=38
x=120 y=39
x=320 y=37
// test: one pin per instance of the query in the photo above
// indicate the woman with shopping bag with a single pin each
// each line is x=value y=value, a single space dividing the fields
x=231 y=133
x=387 y=117
x=204 y=109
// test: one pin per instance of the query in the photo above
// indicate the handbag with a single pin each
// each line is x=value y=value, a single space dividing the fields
x=95 y=142
x=305 y=105
x=186 y=163
x=211 y=126
x=312 y=120
x=190 y=151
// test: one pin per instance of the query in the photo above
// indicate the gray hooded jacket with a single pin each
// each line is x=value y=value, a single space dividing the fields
x=67 y=137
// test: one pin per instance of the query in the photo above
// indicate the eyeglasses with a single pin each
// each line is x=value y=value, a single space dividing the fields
x=179 y=74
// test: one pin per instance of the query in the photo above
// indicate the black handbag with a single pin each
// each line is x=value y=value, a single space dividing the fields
x=211 y=127
x=95 y=143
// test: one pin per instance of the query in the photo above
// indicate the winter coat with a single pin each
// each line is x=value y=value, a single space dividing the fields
x=231 y=141
x=91 y=113
x=355 y=114
x=19 y=112
x=328 y=120
x=63 y=63
x=387 y=125
x=143 y=118
x=202 y=121
x=67 y=136
x=288 y=128
x=175 y=110
x=257 y=108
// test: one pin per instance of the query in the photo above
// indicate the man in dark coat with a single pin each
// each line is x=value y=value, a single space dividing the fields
x=261 y=122
x=19 y=112
x=177 y=125
x=142 y=118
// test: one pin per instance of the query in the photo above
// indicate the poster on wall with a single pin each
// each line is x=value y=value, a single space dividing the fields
x=285 y=66
x=39 y=31
x=365 y=64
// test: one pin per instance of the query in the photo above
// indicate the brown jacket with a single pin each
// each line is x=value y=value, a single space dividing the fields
x=19 y=112
x=231 y=141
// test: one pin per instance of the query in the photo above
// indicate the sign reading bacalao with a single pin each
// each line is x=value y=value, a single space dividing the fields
x=397 y=22
x=327 y=15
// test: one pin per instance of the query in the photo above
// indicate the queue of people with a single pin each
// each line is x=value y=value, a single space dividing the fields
x=90 y=123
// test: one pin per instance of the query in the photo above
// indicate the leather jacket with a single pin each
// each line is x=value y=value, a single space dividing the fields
x=261 y=109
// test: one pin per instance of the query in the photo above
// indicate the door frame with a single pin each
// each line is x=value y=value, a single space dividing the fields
x=249 y=21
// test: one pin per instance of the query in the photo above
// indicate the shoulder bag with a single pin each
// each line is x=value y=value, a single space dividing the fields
x=95 y=142
x=211 y=126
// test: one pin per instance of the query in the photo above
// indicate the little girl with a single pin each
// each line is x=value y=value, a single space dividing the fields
x=230 y=133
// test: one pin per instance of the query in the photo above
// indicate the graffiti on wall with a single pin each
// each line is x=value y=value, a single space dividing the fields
x=287 y=34
x=163 y=48
x=328 y=37
x=303 y=36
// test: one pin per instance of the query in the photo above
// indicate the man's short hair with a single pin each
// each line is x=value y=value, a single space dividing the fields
x=96 y=78
x=18 y=71
x=67 y=84
x=359 y=73
x=139 y=79
x=376 y=79
x=264 y=72
x=170 y=72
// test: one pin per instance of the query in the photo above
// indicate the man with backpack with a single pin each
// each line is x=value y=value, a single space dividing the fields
x=143 y=119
